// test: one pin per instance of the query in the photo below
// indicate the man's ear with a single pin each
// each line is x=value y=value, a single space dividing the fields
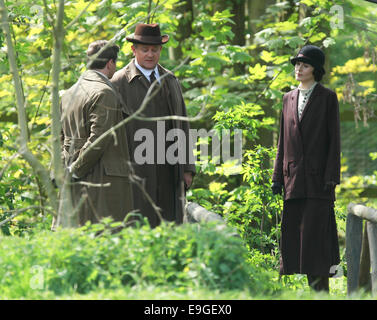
x=107 y=66
x=133 y=49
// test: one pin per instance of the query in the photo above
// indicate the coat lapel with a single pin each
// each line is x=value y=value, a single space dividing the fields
x=294 y=99
x=297 y=127
x=132 y=72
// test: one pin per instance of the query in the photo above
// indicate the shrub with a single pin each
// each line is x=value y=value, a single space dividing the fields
x=93 y=258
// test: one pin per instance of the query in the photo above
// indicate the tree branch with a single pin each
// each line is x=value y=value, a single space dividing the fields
x=55 y=107
x=78 y=16
x=22 y=119
x=18 y=212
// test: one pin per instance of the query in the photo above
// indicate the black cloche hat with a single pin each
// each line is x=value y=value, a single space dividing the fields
x=312 y=55
x=148 y=34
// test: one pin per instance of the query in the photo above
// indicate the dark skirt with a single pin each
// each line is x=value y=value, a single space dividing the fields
x=309 y=238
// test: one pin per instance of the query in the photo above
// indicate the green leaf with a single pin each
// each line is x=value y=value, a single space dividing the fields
x=258 y=72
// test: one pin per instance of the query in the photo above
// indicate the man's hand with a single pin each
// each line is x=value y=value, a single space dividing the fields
x=187 y=176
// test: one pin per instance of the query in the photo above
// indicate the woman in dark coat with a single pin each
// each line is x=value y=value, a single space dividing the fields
x=307 y=169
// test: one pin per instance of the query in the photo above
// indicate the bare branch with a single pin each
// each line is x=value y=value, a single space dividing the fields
x=41 y=99
x=18 y=212
x=78 y=16
x=14 y=156
x=135 y=179
x=48 y=15
x=96 y=185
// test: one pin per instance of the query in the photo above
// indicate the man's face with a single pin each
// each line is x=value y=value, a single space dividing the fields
x=147 y=55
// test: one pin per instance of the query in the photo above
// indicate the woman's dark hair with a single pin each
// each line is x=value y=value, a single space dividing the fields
x=318 y=74
x=109 y=53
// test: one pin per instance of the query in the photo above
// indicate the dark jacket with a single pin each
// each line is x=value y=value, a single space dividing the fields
x=308 y=153
x=133 y=87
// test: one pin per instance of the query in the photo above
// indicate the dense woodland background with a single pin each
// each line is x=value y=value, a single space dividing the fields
x=235 y=73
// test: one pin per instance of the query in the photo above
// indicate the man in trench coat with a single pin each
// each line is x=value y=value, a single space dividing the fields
x=101 y=186
x=160 y=181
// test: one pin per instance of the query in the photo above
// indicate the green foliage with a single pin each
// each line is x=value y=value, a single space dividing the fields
x=20 y=189
x=93 y=258
x=236 y=86
x=251 y=207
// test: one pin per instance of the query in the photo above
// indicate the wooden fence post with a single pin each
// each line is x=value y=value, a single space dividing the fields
x=364 y=269
x=360 y=269
x=354 y=229
x=372 y=236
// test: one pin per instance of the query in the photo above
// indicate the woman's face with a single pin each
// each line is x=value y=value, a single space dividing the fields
x=304 y=72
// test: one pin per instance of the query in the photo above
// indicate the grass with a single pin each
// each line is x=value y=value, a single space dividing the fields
x=296 y=290
x=167 y=263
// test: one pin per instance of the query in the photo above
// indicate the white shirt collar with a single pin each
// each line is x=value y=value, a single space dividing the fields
x=308 y=90
x=147 y=72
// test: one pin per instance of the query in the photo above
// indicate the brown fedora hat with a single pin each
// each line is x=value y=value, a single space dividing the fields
x=148 y=34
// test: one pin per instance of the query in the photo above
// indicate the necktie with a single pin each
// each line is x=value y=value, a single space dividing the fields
x=152 y=77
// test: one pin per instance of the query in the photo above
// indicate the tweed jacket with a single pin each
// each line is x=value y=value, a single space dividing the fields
x=89 y=108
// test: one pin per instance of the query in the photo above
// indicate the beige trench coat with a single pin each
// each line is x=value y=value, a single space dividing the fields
x=89 y=108
x=133 y=86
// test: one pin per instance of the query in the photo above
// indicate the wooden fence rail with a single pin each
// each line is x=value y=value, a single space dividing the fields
x=196 y=213
x=361 y=248
x=361 y=243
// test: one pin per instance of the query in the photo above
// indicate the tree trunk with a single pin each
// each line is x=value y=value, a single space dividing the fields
x=354 y=229
x=239 y=31
x=66 y=213
x=55 y=109
x=372 y=236
x=255 y=10
x=184 y=10
x=21 y=113
x=364 y=272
